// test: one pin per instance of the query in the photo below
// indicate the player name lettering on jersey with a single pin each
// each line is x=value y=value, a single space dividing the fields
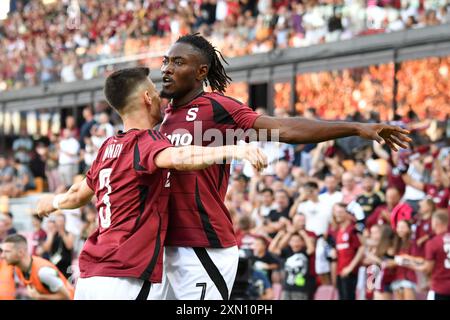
x=112 y=151
x=178 y=139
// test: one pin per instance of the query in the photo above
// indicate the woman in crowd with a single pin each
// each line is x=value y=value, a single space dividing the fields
x=404 y=286
x=379 y=259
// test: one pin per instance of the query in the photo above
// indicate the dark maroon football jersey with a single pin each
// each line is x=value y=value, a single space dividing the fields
x=132 y=195
x=347 y=245
x=197 y=214
x=438 y=250
x=422 y=228
x=440 y=196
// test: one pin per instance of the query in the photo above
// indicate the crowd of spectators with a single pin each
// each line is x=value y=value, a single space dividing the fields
x=351 y=219
x=422 y=86
x=49 y=41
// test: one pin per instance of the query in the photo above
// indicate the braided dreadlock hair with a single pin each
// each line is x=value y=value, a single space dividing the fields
x=217 y=77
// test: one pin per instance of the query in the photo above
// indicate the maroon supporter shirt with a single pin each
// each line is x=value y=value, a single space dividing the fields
x=132 y=195
x=422 y=228
x=438 y=250
x=405 y=273
x=347 y=245
x=377 y=217
x=440 y=196
x=198 y=216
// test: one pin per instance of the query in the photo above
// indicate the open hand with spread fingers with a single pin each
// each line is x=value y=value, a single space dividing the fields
x=395 y=137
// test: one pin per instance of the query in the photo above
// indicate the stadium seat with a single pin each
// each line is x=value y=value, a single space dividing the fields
x=39 y=186
x=326 y=292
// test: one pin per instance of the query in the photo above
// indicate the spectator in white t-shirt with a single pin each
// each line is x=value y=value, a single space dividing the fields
x=331 y=196
x=316 y=212
x=69 y=149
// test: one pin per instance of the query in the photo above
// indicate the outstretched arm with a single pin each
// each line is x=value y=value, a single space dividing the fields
x=302 y=130
x=413 y=183
x=196 y=157
x=78 y=195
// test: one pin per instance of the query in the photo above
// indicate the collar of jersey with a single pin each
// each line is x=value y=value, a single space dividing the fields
x=172 y=107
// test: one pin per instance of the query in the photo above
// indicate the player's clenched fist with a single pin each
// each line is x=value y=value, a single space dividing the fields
x=45 y=205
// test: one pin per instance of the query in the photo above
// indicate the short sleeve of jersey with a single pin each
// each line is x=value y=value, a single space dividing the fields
x=149 y=145
x=430 y=251
x=242 y=114
x=90 y=176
